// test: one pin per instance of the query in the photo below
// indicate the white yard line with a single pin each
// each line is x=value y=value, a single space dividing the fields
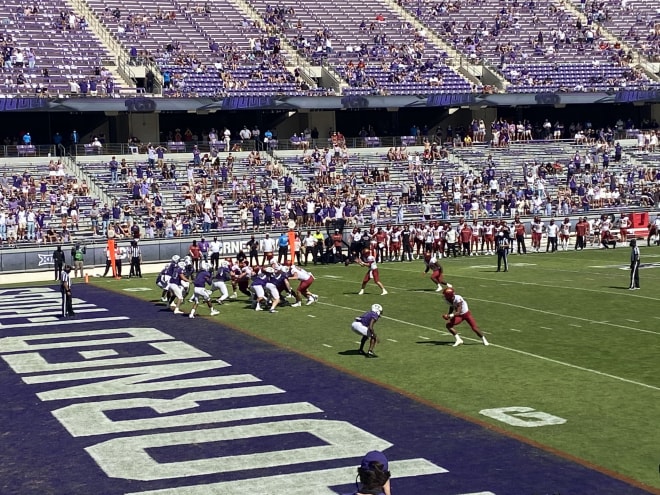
x=524 y=353
x=536 y=310
x=498 y=282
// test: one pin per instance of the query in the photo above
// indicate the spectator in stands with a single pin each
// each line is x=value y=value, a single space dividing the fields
x=245 y=134
x=113 y=166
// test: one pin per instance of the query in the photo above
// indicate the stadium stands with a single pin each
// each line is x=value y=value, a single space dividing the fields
x=256 y=48
x=48 y=50
x=551 y=178
x=537 y=46
x=373 y=50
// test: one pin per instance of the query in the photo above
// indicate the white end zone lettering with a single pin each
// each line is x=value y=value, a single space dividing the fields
x=525 y=417
x=316 y=482
x=128 y=457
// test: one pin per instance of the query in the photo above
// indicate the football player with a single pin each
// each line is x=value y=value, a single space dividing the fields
x=175 y=286
x=565 y=233
x=458 y=312
x=273 y=294
x=537 y=227
x=437 y=275
x=202 y=279
x=306 y=280
x=163 y=278
x=364 y=326
x=372 y=273
x=222 y=276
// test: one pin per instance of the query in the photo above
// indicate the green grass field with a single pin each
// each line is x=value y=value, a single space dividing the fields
x=567 y=339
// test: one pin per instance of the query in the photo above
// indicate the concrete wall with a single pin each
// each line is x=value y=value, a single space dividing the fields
x=144 y=126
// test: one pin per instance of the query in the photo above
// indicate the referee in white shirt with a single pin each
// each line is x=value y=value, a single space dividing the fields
x=65 y=289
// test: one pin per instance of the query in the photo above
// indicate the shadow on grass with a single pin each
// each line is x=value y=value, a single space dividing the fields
x=435 y=342
x=350 y=352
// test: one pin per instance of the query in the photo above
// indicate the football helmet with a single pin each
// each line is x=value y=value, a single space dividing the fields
x=433 y=260
x=449 y=294
x=176 y=258
x=268 y=270
x=188 y=260
x=224 y=263
x=206 y=265
x=182 y=265
x=377 y=308
x=371 y=259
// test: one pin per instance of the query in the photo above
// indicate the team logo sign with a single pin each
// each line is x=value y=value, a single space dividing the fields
x=45 y=259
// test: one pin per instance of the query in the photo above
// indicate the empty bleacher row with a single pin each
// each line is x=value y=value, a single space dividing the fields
x=48 y=50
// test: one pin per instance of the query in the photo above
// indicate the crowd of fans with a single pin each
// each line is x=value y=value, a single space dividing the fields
x=329 y=185
x=40 y=207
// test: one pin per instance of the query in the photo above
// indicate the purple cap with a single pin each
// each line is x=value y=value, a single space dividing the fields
x=374 y=456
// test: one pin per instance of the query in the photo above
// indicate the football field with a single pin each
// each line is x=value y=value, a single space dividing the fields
x=571 y=375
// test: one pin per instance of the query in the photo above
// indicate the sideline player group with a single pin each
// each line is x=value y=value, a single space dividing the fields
x=479 y=238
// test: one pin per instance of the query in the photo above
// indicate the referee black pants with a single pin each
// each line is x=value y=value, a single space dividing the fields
x=136 y=271
x=67 y=304
x=634 y=275
x=502 y=258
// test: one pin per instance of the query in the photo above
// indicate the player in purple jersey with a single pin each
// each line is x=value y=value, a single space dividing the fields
x=203 y=279
x=175 y=287
x=165 y=275
x=364 y=326
x=223 y=275
x=272 y=293
x=281 y=280
x=258 y=286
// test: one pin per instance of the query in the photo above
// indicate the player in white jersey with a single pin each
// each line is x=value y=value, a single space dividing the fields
x=565 y=233
x=306 y=279
x=624 y=224
x=395 y=244
x=654 y=230
x=537 y=227
x=488 y=239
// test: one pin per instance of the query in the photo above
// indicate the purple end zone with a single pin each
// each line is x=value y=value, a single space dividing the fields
x=39 y=456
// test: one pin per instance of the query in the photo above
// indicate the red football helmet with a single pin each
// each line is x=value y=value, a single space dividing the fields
x=448 y=294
